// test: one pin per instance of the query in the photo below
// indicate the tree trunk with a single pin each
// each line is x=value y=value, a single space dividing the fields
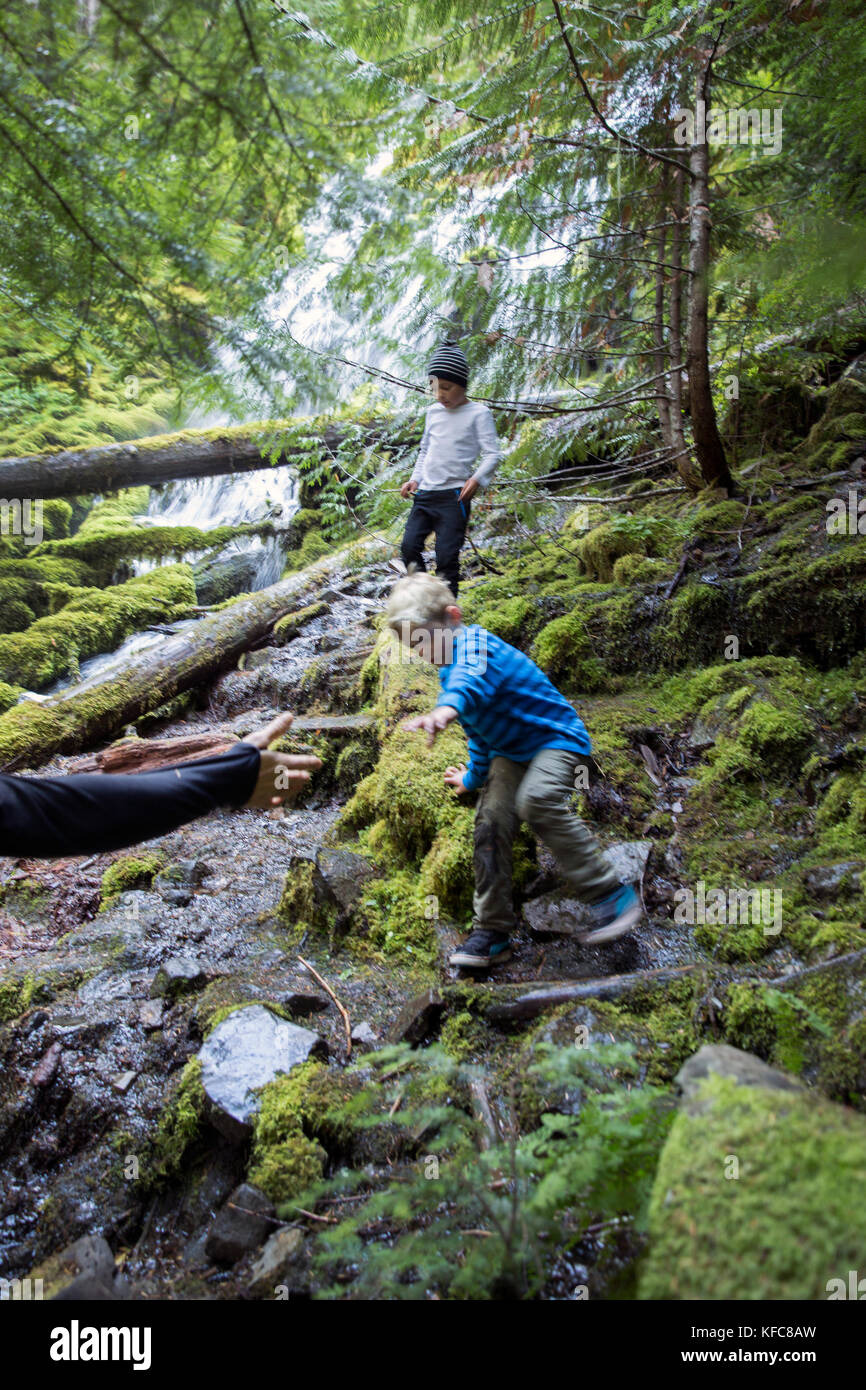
x=31 y=734
x=708 y=443
x=664 y=407
x=160 y=459
x=685 y=467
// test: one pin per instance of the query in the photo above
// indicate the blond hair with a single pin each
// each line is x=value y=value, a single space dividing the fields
x=419 y=598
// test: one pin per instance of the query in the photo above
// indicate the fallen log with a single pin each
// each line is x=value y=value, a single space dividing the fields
x=160 y=459
x=529 y=1005
x=30 y=733
x=138 y=754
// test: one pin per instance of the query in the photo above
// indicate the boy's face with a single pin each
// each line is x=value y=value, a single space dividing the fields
x=447 y=393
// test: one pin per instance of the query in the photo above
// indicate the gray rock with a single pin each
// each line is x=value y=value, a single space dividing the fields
x=343 y=875
x=719 y=1059
x=178 y=975
x=827 y=880
x=283 y=1265
x=559 y=914
x=246 y=1051
x=122 y=1081
x=363 y=1035
x=150 y=1014
x=240 y=1226
x=417 y=1019
x=86 y=1272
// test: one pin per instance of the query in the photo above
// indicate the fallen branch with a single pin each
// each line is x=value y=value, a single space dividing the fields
x=537 y=1000
x=327 y=988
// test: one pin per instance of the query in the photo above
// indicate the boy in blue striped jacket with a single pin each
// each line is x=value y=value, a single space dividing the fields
x=526 y=745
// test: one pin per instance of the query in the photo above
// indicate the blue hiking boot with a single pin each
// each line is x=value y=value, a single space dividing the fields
x=482 y=948
x=613 y=916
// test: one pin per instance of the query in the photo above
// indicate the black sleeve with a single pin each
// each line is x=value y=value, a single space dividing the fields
x=90 y=812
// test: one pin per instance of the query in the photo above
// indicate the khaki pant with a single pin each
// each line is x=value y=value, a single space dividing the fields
x=538 y=792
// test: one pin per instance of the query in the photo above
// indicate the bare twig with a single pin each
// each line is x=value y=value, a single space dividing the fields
x=327 y=988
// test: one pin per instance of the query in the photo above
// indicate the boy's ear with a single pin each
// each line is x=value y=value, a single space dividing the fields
x=454 y=613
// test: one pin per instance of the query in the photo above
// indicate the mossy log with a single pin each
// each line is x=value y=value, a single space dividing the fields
x=138 y=754
x=158 y=459
x=31 y=734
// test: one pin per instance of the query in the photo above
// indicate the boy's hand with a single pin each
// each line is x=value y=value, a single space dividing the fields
x=434 y=723
x=454 y=778
x=281 y=775
x=408 y=488
x=469 y=489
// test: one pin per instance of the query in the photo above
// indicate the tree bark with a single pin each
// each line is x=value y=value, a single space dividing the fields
x=708 y=443
x=160 y=459
x=31 y=734
x=685 y=467
x=664 y=406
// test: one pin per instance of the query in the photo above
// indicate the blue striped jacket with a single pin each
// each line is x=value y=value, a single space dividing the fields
x=505 y=703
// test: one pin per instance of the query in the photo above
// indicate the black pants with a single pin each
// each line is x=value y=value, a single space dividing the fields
x=445 y=515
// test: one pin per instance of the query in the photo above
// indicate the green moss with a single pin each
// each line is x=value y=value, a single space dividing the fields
x=515 y=620
x=19 y=995
x=635 y=568
x=133 y=871
x=179 y=1126
x=91 y=622
x=296 y=1110
x=716 y=1237
x=605 y=544
x=564 y=650
x=289 y=626
x=8 y=696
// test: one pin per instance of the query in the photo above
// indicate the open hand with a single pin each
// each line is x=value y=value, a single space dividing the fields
x=454 y=778
x=432 y=724
x=469 y=489
x=281 y=775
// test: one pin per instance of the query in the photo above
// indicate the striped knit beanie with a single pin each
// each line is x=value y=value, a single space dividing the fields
x=449 y=363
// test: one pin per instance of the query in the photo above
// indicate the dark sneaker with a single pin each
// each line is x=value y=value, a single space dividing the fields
x=482 y=948
x=613 y=916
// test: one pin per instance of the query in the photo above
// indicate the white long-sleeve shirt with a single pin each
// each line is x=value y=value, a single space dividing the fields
x=452 y=441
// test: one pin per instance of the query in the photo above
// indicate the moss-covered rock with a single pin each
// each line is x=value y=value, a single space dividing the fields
x=132 y=871
x=757 y=1196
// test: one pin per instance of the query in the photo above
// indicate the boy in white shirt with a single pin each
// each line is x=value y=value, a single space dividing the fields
x=456 y=431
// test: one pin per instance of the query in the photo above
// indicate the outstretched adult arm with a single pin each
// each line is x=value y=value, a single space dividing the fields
x=91 y=812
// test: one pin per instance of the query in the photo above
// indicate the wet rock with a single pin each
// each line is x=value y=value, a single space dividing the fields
x=417 y=1019
x=363 y=1035
x=828 y=879
x=244 y=1052
x=240 y=1226
x=84 y=1269
x=234 y=692
x=343 y=875
x=47 y=1069
x=223 y=576
x=150 y=1014
x=178 y=975
x=122 y=1080
x=302 y=1005
x=282 y=1268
